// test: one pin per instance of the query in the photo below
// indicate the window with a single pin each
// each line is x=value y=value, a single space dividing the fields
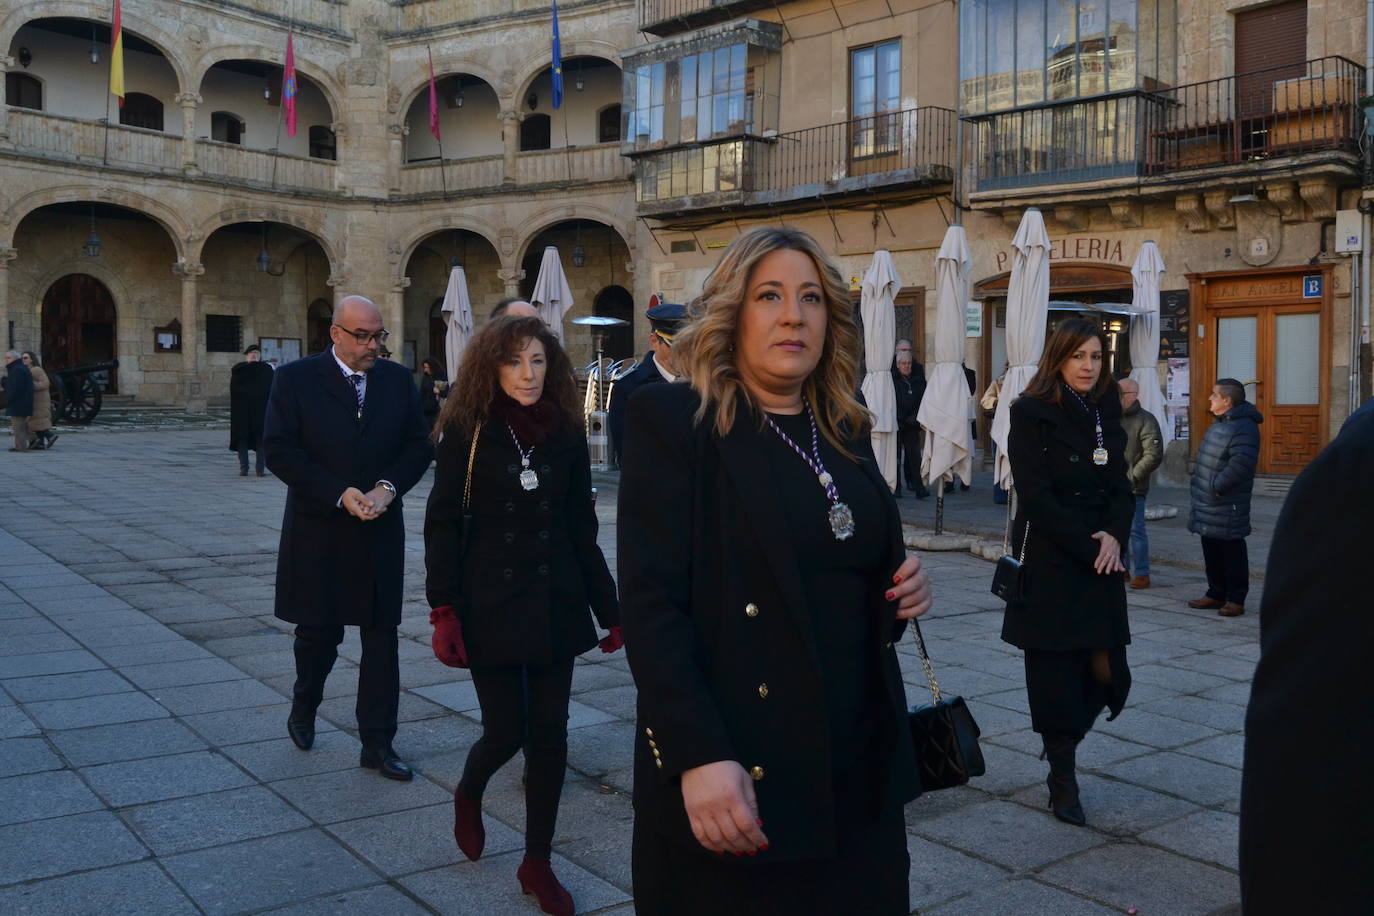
x=875 y=98
x=226 y=127
x=167 y=339
x=23 y=91
x=141 y=110
x=608 y=124
x=535 y=132
x=322 y=143
x=223 y=333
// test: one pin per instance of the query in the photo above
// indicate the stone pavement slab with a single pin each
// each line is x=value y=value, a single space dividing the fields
x=137 y=889
x=1152 y=880
x=212 y=819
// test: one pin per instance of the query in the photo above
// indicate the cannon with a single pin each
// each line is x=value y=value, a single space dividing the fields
x=76 y=395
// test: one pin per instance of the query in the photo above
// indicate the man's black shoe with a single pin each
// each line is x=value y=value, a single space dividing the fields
x=301 y=727
x=384 y=759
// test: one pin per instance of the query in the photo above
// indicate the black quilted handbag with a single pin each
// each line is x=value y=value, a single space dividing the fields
x=944 y=734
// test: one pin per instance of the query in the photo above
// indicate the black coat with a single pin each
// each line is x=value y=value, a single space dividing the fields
x=332 y=568
x=18 y=390
x=714 y=605
x=429 y=398
x=646 y=373
x=910 y=389
x=1224 y=476
x=1306 y=807
x=1066 y=498
x=532 y=565
x=250 y=384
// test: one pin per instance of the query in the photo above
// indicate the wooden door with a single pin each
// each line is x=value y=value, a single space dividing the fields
x=79 y=326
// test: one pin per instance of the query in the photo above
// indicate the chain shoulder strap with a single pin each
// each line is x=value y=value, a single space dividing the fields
x=925 y=659
x=472 y=457
x=1025 y=538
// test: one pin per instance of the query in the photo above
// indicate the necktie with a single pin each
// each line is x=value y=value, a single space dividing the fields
x=357 y=380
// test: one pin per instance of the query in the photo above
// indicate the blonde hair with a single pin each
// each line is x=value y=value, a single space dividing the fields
x=705 y=348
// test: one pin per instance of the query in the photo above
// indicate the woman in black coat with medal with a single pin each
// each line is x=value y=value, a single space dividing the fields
x=1074 y=509
x=510 y=586
x=763 y=583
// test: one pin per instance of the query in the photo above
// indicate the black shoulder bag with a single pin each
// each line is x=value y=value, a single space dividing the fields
x=1009 y=579
x=943 y=733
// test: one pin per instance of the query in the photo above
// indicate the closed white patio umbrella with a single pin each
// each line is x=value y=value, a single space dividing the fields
x=1028 y=296
x=947 y=448
x=877 y=292
x=1145 y=281
x=457 y=311
x=552 y=296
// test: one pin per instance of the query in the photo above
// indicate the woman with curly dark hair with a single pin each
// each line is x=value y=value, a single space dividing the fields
x=512 y=566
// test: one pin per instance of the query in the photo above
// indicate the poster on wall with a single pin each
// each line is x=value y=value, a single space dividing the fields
x=1176 y=390
x=1173 y=323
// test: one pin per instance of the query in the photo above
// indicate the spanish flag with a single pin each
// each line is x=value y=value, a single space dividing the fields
x=117 y=57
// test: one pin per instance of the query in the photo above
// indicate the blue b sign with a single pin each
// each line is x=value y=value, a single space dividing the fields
x=1312 y=287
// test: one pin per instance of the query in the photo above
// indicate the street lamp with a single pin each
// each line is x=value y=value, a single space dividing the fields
x=264 y=261
x=579 y=254
x=92 y=246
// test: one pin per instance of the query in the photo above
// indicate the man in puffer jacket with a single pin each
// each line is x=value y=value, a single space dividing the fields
x=1222 y=483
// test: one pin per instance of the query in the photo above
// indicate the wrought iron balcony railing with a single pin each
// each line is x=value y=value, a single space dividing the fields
x=885 y=151
x=667 y=17
x=1264 y=114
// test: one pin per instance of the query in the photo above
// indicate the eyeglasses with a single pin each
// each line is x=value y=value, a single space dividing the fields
x=366 y=337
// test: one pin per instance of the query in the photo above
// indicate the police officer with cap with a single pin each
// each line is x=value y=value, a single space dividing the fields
x=657 y=366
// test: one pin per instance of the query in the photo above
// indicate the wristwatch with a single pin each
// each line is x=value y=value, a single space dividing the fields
x=388 y=486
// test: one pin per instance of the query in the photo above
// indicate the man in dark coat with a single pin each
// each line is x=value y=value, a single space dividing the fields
x=1223 y=480
x=19 y=399
x=250 y=383
x=657 y=366
x=345 y=433
x=909 y=382
x=1305 y=805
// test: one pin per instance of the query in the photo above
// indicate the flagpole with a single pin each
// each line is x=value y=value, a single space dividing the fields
x=281 y=107
x=438 y=134
x=109 y=86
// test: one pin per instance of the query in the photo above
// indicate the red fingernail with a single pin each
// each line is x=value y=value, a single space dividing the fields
x=897 y=580
x=764 y=847
x=891 y=595
x=753 y=852
x=738 y=853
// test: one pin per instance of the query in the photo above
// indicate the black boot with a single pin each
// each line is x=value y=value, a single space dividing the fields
x=1062 y=782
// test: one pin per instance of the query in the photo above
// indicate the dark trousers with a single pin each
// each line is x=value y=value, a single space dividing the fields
x=1065 y=698
x=909 y=442
x=1228 y=569
x=379 y=676
x=518 y=702
x=243 y=459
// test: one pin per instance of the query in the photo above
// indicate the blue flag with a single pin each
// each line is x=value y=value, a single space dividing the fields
x=557 y=62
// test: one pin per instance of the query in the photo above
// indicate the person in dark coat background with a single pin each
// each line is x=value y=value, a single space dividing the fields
x=432 y=387
x=760 y=615
x=18 y=399
x=909 y=381
x=511 y=597
x=1305 y=806
x=250 y=384
x=657 y=366
x=1223 y=481
x=344 y=433
x=1067 y=452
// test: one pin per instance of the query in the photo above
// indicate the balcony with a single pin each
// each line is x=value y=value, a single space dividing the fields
x=668 y=17
x=458 y=175
x=582 y=164
x=264 y=168
x=1256 y=121
x=891 y=152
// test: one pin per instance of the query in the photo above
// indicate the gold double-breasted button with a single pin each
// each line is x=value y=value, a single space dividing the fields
x=763 y=691
x=652 y=743
x=756 y=772
x=658 y=763
x=655 y=752
x=649 y=732
x=751 y=610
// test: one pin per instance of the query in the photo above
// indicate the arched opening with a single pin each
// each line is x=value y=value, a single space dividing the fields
x=469 y=120
x=608 y=124
x=227 y=127
x=590 y=85
x=79 y=327
x=318 y=317
x=70 y=58
x=616 y=302
x=594 y=258
x=141 y=110
x=23 y=91
x=428 y=269
x=251 y=90
x=535 y=132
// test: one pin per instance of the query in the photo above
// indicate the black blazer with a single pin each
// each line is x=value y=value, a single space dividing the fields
x=714 y=606
x=646 y=373
x=532 y=566
x=250 y=385
x=1066 y=498
x=333 y=568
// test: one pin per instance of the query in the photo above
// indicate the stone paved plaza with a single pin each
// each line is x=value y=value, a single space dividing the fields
x=146 y=769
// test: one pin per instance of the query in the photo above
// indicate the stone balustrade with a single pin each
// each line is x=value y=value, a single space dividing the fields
x=459 y=175
x=264 y=167
x=92 y=142
x=602 y=162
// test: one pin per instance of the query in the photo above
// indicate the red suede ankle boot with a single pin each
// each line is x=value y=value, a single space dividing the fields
x=536 y=877
x=468 y=831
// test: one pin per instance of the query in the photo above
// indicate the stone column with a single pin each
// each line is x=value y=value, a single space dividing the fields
x=340 y=129
x=396 y=133
x=188 y=102
x=5 y=64
x=338 y=282
x=394 y=317
x=511 y=277
x=7 y=254
x=510 y=135
x=192 y=385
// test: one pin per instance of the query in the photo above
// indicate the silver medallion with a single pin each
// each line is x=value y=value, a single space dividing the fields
x=528 y=479
x=841 y=521
x=1099 y=456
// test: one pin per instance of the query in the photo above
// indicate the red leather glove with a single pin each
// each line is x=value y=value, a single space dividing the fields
x=612 y=641
x=448 y=637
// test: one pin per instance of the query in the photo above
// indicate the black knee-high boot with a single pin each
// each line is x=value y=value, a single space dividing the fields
x=1062 y=781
